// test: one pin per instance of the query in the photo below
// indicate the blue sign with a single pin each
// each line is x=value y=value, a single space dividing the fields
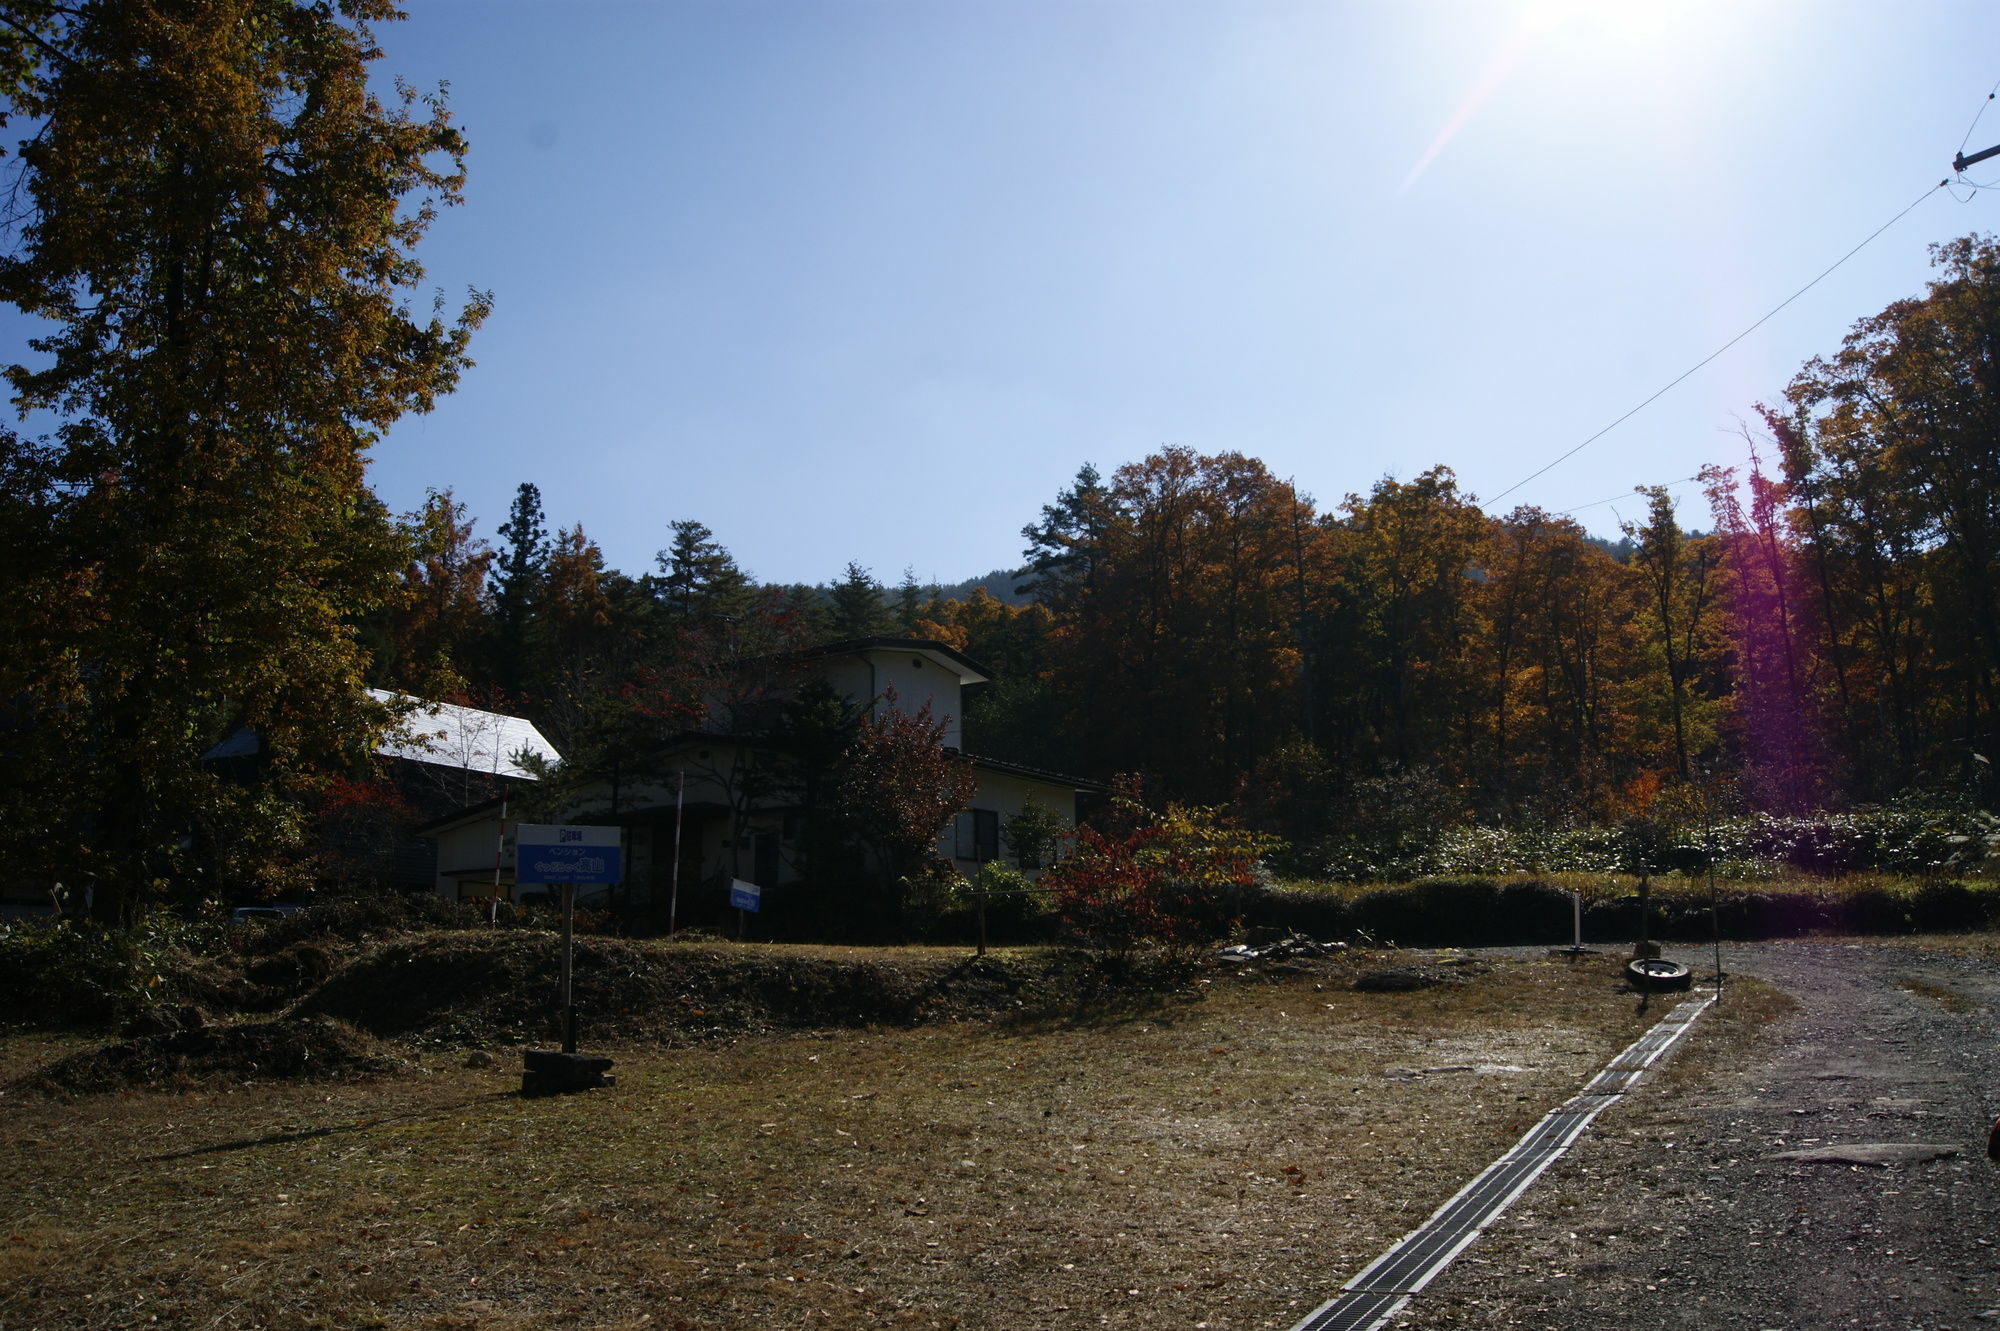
x=546 y=853
x=745 y=896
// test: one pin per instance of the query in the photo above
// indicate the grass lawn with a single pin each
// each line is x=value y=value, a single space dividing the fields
x=1217 y=1160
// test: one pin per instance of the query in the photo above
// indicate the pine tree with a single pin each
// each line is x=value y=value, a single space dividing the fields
x=1067 y=549
x=858 y=611
x=909 y=602
x=520 y=580
x=700 y=579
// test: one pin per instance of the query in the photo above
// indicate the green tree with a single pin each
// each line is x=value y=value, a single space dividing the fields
x=1067 y=548
x=909 y=603
x=520 y=574
x=1035 y=835
x=699 y=578
x=216 y=218
x=858 y=609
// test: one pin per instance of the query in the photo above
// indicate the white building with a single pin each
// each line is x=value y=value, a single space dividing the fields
x=721 y=787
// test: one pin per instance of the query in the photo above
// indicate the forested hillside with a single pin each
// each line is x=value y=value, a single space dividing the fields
x=1818 y=630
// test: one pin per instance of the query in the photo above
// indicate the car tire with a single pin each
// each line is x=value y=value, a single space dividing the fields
x=1652 y=975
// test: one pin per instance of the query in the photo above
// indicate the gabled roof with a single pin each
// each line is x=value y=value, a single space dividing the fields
x=1033 y=773
x=448 y=735
x=441 y=734
x=968 y=670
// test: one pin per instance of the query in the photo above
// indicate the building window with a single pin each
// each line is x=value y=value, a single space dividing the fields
x=977 y=835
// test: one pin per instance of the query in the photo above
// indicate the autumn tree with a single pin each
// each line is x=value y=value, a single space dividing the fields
x=1776 y=705
x=1015 y=716
x=1394 y=659
x=435 y=624
x=1679 y=577
x=1888 y=451
x=215 y=220
x=1174 y=615
x=1552 y=667
x=898 y=788
x=577 y=640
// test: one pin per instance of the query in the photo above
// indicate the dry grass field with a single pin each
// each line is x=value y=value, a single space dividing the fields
x=1217 y=1158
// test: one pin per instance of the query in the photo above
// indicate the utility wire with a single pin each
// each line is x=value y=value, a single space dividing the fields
x=1973 y=185
x=1627 y=494
x=1724 y=347
x=1976 y=115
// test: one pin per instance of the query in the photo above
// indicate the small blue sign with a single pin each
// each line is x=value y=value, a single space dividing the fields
x=545 y=853
x=745 y=896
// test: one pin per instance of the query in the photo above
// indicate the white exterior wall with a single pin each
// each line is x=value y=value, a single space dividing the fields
x=917 y=682
x=868 y=675
x=470 y=846
x=1006 y=794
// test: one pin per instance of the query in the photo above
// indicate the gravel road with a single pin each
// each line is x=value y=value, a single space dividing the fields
x=1676 y=1211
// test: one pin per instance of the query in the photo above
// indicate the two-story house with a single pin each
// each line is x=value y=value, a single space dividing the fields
x=718 y=791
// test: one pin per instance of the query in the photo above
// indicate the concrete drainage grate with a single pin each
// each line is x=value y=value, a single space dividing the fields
x=1386 y=1284
x=1354 y=1312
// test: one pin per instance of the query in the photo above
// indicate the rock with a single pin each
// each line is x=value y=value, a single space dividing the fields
x=479 y=1058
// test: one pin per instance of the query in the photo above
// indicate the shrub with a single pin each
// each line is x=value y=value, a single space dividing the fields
x=1949 y=907
x=1535 y=912
x=1017 y=910
x=67 y=972
x=1915 y=837
x=1313 y=911
x=1176 y=877
x=1872 y=911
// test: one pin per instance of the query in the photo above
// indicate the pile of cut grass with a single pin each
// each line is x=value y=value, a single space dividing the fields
x=303 y=1048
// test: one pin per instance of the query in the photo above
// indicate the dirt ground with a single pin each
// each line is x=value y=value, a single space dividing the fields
x=1687 y=1207
x=1221 y=1158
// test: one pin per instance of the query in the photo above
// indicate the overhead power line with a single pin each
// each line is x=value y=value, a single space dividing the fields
x=1676 y=381
x=1983 y=104
x=1625 y=494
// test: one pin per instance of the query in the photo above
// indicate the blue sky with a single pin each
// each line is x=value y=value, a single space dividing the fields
x=868 y=280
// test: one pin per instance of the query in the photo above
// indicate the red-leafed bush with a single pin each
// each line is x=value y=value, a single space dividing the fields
x=1174 y=878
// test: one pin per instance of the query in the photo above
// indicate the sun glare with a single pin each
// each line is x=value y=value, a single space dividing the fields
x=1645 y=39
x=1609 y=28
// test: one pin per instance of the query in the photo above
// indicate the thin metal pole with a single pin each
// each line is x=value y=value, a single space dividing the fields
x=568 y=952
x=1708 y=853
x=1576 y=920
x=499 y=853
x=1645 y=909
x=674 y=893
